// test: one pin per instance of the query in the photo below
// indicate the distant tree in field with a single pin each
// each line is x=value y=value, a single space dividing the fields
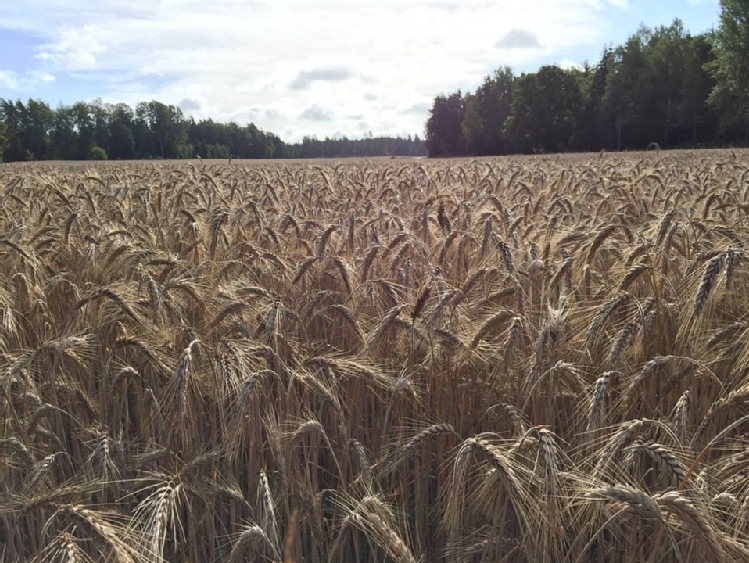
x=444 y=134
x=546 y=110
x=97 y=153
x=730 y=69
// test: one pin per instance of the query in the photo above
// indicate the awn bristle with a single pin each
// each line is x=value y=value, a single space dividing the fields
x=206 y=361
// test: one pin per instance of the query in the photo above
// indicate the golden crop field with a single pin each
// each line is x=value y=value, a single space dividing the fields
x=513 y=359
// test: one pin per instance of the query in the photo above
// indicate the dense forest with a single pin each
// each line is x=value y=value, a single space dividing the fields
x=34 y=131
x=663 y=86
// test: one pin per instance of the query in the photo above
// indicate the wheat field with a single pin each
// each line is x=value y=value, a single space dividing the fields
x=515 y=359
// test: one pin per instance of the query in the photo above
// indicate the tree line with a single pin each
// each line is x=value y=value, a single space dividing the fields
x=95 y=130
x=661 y=86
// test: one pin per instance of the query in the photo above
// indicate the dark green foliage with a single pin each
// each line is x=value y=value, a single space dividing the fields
x=311 y=147
x=165 y=131
x=486 y=112
x=34 y=131
x=661 y=86
x=546 y=109
x=28 y=129
x=97 y=153
x=731 y=47
x=3 y=139
x=444 y=128
x=594 y=132
x=657 y=88
x=122 y=135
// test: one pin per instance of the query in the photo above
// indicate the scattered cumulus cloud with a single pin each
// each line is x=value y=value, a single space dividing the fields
x=190 y=104
x=518 y=39
x=305 y=78
x=317 y=113
x=14 y=81
x=447 y=6
x=73 y=48
x=416 y=109
x=8 y=79
x=568 y=64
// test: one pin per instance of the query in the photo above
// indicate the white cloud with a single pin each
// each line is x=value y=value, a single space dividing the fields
x=518 y=39
x=420 y=109
x=305 y=78
x=317 y=113
x=74 y=48
x=568 y=64
x=13 y=81
x=274 y=61
x=8 y=79
x=189 y=105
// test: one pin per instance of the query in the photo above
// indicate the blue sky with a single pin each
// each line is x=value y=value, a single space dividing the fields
x=305 y=67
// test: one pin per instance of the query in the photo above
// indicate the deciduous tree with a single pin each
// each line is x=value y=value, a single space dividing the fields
x=445 y=126
x=546 y=110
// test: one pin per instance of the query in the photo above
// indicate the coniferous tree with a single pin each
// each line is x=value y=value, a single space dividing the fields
x=731 y=92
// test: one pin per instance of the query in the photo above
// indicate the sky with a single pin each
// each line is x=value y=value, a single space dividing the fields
x=301 y=67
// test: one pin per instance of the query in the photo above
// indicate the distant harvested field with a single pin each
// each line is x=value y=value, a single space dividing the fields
x=513 y=359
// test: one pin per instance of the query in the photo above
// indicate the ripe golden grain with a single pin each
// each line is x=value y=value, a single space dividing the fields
x=382 y=360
